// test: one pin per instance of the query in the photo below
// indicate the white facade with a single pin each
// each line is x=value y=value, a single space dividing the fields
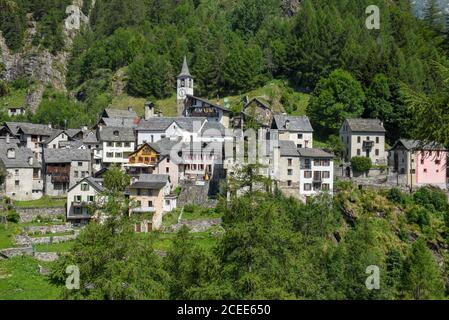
x=316 y=176
x=300 y=139
x=79 y=198
x=116 y=152
x=24 y=184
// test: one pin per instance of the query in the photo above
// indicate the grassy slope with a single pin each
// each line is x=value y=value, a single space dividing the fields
x=20 y=280
x=44 y=202
x=15 y=99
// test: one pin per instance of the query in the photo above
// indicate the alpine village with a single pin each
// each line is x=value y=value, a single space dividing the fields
x=222 y=150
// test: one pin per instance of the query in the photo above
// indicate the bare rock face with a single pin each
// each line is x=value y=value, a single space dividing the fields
x=291 y=7
x=36 y=63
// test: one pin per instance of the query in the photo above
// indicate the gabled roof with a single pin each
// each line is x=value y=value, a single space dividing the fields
x=160 y=124
x=165 y=146
x=73 y=132
x=52 y=156
x=54 y=135
x=260 y=102
x=288 y=149
x=12 y=127
x=365 y=125
x=212 y=129
x=314 y=153
x=116 y=134
x=96 y=183
x=91 y=137
x=119 y=113
x=292 y=123
x=215 y=105
x=120 y=122
x=21 y=159
x=36 y=129
x=185 y=72
x=418 y=145
x=75 y=144
x=141 y=147
x=151 y=181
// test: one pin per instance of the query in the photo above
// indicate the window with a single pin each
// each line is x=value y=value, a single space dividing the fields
x=290 y=162
x=91 y=198
x=127 y=144
x=359 y=152
x=77 y=211
x=307 y=187
x=109 y=144
x=139 y=192
x=76 y=174
x=167 y=170
x=290 y=172
x=307 y=174
x=377 y=152
x=83 y=174
x=422 y=161
x=299 y=135
x=77 y=198
x=118 y=155
x=377 y=140
x=325 y=187
x=84 y=187
x=17 y=183
x=118 y=144
x=299 y=146
x=109 y=154
x=116 y=133
x=425 y=170
x=80 y=164
x=359 y=139
x=326 y=174
x=16 y=172
x=437 y=161
x=150 y=204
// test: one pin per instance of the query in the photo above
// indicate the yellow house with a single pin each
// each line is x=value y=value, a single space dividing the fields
x=143 y=160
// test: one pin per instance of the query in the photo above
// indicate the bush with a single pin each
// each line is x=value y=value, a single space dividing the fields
x=13 y=217
x=4 y=89
x=361 y=164
x=431 y=198
x=418 y=215
x=189 y=208
x=395 y=195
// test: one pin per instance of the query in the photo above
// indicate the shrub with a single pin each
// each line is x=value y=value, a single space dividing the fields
x=189 y=208
x=13 y=217
x=395 y=195
x=361 y=164
x=418 y=215
x=431 y=198
x=4 y=89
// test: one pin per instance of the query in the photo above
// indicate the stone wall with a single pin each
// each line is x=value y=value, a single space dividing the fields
x=49 y=229
x=195 y=194
x=31 y=214
x=195 y=225
x=15 y=252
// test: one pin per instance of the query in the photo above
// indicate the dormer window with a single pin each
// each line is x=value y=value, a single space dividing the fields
x=116 y=133
x=11 y=153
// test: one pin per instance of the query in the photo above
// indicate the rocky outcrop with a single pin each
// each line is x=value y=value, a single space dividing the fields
x=291 y=7
x=40 y=65
x=195 y=225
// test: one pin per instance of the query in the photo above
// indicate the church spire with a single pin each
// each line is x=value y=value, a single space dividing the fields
x=185 y=69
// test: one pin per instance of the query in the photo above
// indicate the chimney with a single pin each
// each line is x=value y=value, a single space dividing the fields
x=8 y=140
x=31 y=161
x=50 y=126
x=287 y=122
x=149 y=110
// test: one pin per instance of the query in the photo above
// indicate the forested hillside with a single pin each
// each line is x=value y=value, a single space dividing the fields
x=135 y=48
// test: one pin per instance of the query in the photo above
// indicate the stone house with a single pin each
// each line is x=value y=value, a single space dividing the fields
x=117 y=143
x=63 y=168
x=23 y=177
x=286 y=168
x=151 y=194
x=16 y=111
x=296 y=129
x=32 y=136
x=81 y=197
x=364 y=138
x=53 y=142
x=419 y=163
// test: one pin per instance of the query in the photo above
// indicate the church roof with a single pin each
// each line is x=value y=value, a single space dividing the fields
x=185 y=69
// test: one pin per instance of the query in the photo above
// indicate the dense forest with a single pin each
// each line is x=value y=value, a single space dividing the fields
x=320 y=47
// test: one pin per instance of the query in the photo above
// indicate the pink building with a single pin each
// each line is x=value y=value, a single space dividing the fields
x=422 y=163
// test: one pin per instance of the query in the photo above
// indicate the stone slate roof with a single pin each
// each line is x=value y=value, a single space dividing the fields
x=419 y=145
x=212 y=128
x=159 y=124
x=288 y=149
x=97 y=183
x=292 y=123
x=124 y=134
x=314 y=153
x=13 y=127
x=73 y=132
x=217 y=106
x=151 y=181
x=21 y=159
x=76 y=144
x=118 y=113
x=52 y=156
x=120 y=122
x=53 y=136
x=164 y=146
x=185 y=69
x=36 y=129
x=365 y=125
x=91 y=137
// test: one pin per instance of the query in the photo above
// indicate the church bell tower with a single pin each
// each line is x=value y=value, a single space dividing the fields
x=184 y=87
